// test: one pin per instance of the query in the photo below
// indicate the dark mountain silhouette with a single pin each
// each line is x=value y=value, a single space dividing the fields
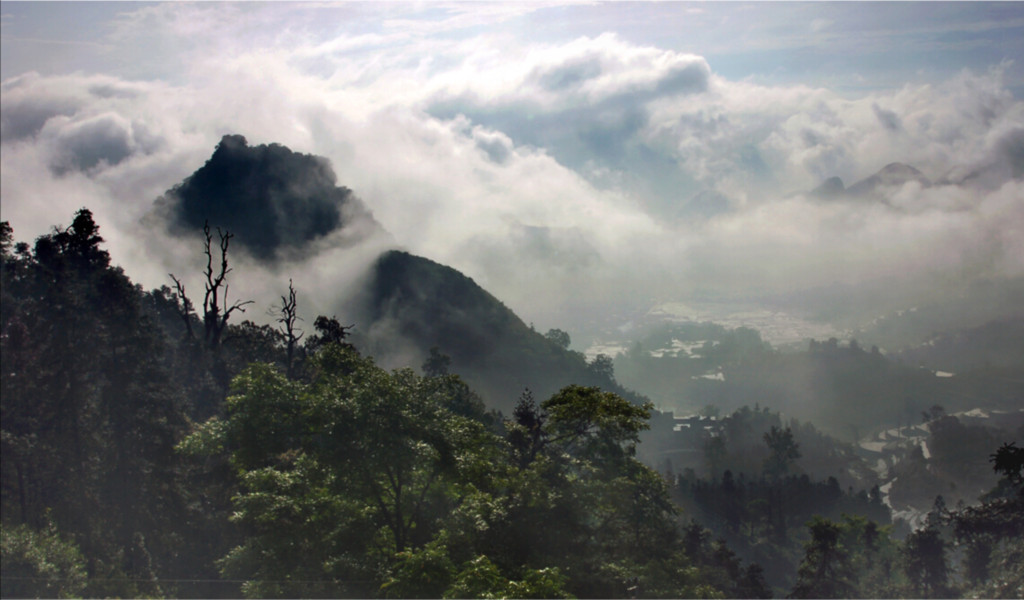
x=279 y=204
x=275 y=201
x=413 y=304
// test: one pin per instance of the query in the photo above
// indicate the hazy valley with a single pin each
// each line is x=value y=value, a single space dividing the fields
x=512 y=300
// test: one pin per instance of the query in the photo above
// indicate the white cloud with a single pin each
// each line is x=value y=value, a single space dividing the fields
x=821 y=24
x=549 y=172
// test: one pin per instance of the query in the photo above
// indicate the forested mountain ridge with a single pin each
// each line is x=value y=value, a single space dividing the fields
x=159 y=464
x=278 y=205
x=414 y=304
x=187 y=454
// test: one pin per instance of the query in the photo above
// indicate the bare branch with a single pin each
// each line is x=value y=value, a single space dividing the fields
x=238 y=305
x=215 y=318
x=287 y=316
x=186 y=308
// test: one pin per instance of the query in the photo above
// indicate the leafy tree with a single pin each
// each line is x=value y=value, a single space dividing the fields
x=39 y=564
x=821 y=573
x=626 y=520
x=714 y=451
x=925 y=564
x=375 y=454
x=316 y=473
x=249 y=342
x=1009 y=461
x=481 y=578
x=558 y=338
x=602 y=366
x=365 y=482
x=784 y=451
x=934 y=413
x=851 y=558
x=88 y=435
x=527 y=435
x=590 y=421
x=721 y=568
x=991 y=532
x=709 y=410
x=421 y=573
x=328 y=331
x=437 y=364
x=750 y=516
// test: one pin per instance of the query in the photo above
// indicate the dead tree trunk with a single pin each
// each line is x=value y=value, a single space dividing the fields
x=215 y=316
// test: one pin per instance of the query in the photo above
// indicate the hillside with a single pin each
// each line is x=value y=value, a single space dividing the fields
x=845 y=390
x=997 y=344
x=412 y=304
x=143 y=467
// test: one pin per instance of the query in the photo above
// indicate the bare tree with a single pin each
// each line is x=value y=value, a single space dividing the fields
x=215 y=316
x=185 y=309
x=287 y=316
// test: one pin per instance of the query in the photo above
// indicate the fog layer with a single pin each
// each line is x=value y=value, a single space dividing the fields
x=573 y=179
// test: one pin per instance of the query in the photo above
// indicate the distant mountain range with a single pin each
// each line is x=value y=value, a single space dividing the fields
x=891 y=176
x=710 y=203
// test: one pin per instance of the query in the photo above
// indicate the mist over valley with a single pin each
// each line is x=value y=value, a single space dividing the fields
x=512 y=300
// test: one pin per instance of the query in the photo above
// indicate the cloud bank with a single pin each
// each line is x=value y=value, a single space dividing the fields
x=571 y=178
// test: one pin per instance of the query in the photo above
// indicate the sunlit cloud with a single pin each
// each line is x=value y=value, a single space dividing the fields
x=557 y=173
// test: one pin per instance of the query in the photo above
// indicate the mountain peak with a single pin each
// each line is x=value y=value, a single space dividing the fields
x=891 y=175
x=277 y=202
x=830 y=187
x=414 y=303
x=898 y=169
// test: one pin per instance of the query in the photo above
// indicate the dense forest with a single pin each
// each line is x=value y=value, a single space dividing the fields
x=156 y=444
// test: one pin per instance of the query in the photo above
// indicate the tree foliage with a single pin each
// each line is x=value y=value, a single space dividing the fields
x=400 y=488
x=39 y=564
x=142 y=459
x=784 y=451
